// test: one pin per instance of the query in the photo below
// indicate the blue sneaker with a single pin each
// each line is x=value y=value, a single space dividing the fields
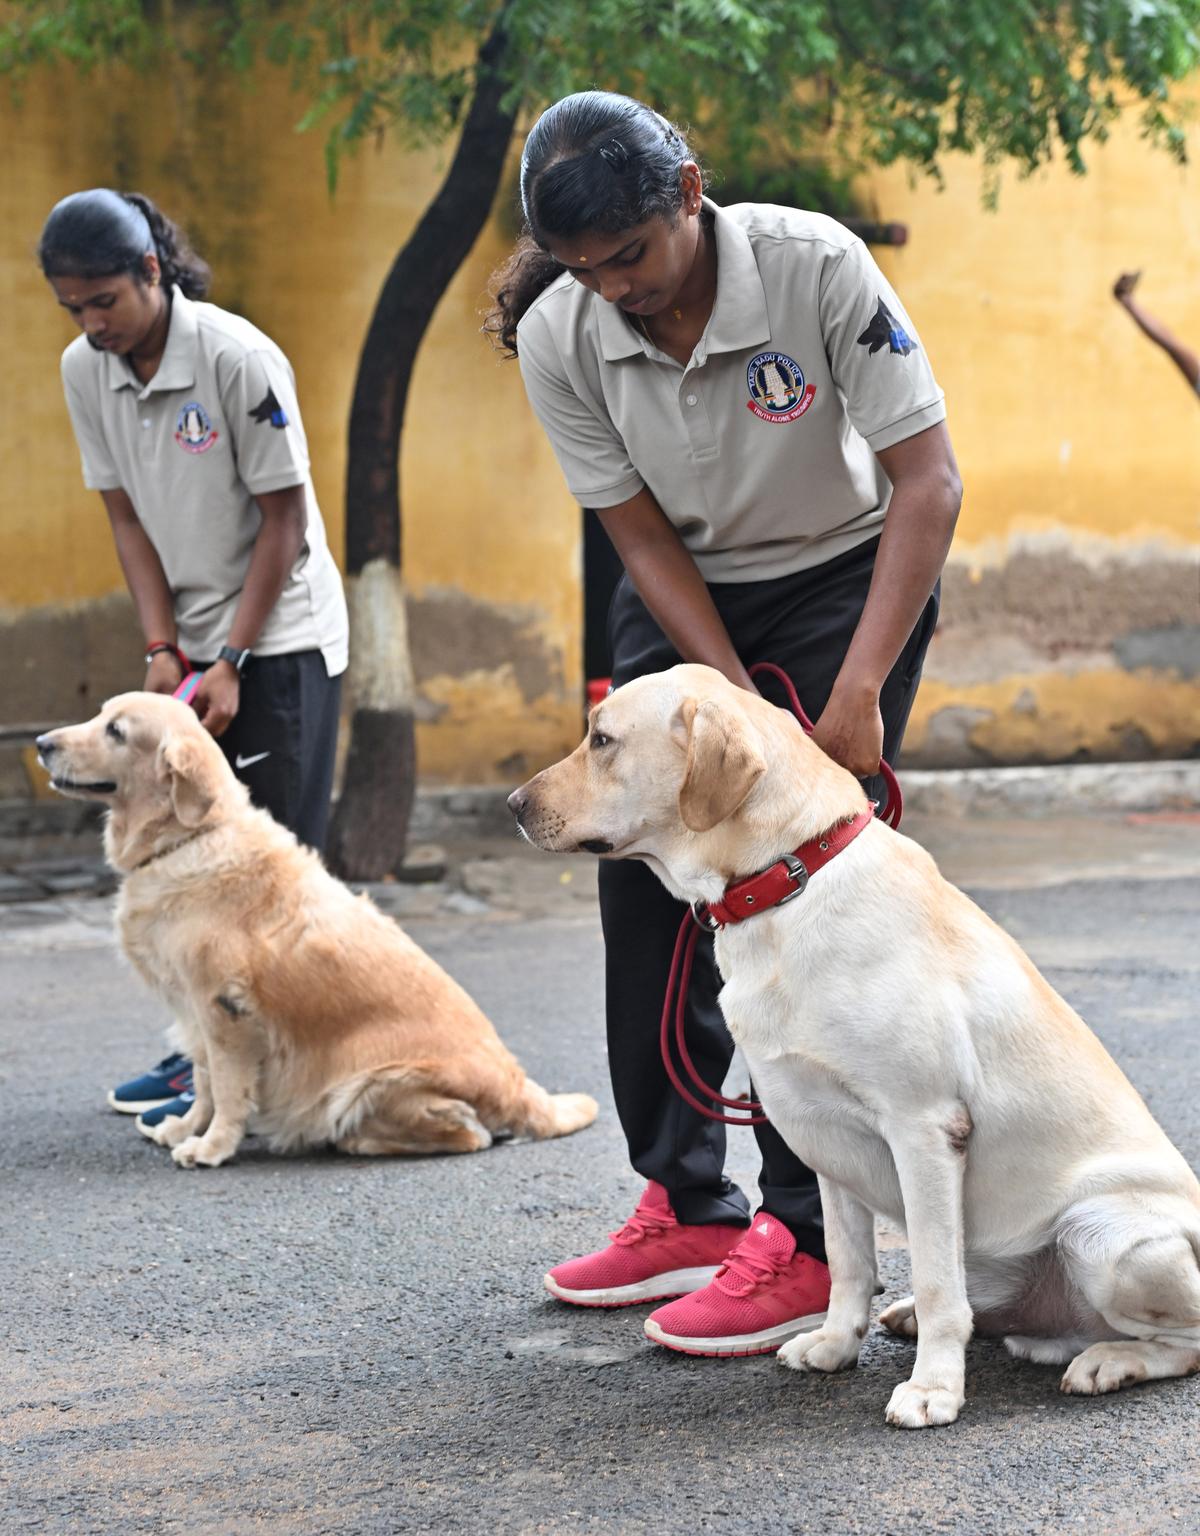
x=149 y=1119
x=158 y=1086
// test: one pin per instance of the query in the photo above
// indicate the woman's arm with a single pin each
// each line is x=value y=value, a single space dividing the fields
x=279 y=541
x=670 y=584
x=1183 y=357
x=926 y=494
x=148 y=586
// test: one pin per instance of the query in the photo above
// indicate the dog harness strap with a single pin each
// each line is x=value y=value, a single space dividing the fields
x=782 y=880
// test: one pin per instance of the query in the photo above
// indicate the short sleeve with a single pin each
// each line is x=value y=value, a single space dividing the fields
x=588 y=446
x=99 y=471
x=875 y=355
x=263 y=415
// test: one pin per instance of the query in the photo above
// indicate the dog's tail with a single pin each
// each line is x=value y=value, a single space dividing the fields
x=541 y=1114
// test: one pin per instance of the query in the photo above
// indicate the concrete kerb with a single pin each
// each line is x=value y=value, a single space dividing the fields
x=456 y=813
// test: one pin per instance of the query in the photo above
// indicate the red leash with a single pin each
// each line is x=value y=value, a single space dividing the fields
x=779 y=883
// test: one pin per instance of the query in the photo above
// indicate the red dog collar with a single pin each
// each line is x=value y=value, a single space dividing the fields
x=782 y=880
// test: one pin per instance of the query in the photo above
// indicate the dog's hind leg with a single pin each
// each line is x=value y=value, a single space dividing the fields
x=1137 y=1260
x=901 y=1318
x=407 y=1120
x=850 y=1244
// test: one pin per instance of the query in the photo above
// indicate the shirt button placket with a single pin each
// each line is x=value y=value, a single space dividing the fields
x=696 y=421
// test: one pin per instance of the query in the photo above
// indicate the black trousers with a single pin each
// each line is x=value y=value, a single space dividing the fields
x=283 y=739
x=803 y=623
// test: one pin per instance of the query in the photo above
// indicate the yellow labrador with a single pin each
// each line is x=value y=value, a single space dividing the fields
x=907 y=1050
x=306 y=1011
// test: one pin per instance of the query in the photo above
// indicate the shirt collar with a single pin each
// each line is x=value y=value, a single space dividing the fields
x=739 y=319
x=177 y=366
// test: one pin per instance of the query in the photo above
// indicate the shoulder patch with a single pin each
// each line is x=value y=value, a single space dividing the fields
x=269 y=409
x=885 y=328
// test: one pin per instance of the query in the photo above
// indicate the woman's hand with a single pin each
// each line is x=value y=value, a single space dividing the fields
x=851 y=732
x=164 y=674
x=1124 y=286
x=218 y=695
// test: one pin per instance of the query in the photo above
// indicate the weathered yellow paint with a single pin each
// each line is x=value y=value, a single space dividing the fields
x=1053 y=717
x=1066 y=421
x=489 y=705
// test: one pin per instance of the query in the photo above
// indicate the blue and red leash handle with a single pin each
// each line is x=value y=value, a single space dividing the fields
x=679 y=979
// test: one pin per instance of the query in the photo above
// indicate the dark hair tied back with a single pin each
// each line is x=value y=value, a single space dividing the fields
x=102 y=233
x=594 y=163
x=615 y=154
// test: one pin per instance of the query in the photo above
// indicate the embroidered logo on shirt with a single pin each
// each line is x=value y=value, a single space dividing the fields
x=269 y=409
x=194 y=432
x=885 y=328
x=778 y=391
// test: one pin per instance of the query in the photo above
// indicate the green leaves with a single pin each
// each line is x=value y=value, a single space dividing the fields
x=759 y=83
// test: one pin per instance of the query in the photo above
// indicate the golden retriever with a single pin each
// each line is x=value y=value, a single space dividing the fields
x=909 y=1052
x=307 y=1013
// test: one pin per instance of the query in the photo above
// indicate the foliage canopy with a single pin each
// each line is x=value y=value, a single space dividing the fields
x=871 y=81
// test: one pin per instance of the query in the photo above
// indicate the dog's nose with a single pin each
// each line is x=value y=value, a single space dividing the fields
x=518 y=800
x=45 y=745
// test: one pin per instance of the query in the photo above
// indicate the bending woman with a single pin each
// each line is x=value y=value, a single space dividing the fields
x=188 y=425
x=741 y=398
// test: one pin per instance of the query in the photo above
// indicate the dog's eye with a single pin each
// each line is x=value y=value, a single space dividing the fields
x=115 y=731
x=599 y=739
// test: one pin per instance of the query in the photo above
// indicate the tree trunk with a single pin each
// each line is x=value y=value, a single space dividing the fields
x=369 y=832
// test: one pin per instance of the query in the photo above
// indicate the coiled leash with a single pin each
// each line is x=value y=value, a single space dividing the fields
x=772 y=887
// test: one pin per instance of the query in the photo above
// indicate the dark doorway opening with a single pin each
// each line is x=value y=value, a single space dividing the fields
x=602 y=570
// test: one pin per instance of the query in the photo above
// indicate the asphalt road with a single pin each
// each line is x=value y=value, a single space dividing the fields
x=325 y=1344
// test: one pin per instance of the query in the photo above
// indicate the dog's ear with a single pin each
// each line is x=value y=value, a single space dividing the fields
x=723 y=764
x=182 y=761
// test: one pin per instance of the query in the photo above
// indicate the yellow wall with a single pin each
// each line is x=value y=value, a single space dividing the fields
x=1078 y=442
x=1071 y=611
x=491 y=540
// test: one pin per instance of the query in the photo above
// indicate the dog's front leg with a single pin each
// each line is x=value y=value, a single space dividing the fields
x=930 y=1157
x=234 y=1048
x=850 y=1246
x=194 y=1121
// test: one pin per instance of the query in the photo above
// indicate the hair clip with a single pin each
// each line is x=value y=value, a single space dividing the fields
x=615 y=154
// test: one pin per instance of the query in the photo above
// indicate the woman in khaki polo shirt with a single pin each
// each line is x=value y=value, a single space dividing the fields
x=740 y=397
x=188 y=426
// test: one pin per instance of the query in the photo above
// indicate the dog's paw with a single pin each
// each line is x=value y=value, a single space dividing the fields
x=820 y=1351
x=200 y=1152
x=171 y=1132
x=901 y=1318
x=1105 y=1368
x=916 y=1407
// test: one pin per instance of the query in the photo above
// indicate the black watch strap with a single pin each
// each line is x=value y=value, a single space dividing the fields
x=236 y=659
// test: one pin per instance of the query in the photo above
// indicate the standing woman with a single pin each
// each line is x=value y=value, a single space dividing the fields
x=188 y=426
x=740 y=396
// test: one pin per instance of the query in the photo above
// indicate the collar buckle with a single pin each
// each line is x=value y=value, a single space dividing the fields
x=797 y=874
x=703 y=917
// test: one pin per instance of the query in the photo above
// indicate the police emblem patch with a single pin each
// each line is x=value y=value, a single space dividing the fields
x=194 y=432
x=778 y=391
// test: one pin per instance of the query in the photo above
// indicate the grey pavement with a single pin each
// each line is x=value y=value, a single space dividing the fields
x=344 y=1345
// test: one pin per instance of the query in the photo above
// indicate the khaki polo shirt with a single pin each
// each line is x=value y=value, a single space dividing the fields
x=216 y=426
x=761 y=451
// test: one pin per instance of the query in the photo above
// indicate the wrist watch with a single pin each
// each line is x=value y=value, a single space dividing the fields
x=236 y=659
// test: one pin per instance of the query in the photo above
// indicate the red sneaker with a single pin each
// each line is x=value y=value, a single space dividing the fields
x=763 y=1294
x=652 y=1256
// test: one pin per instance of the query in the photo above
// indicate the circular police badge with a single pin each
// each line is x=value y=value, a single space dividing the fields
x=778 y=391
x=194 y=432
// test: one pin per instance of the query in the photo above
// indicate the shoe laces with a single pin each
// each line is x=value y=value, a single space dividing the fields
x=642 y=1224
x=750 y=1269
